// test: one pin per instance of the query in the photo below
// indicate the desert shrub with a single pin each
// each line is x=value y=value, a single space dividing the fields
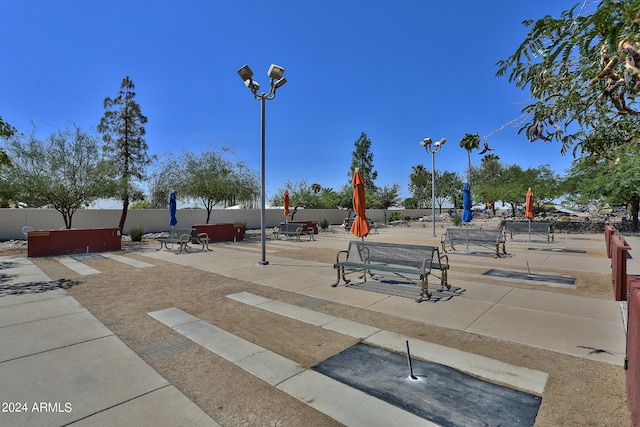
x=395 y=216
x=136 y=233
x=457 y=220
x=324 y=224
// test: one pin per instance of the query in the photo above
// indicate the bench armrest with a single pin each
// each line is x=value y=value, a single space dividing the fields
x=338 y=256
x=445 y=257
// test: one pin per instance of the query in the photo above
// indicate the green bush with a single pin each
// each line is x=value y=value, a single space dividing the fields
x=395 y=216
x=136 y=233
x=324 y=224
x=457 y=220
x=142 y=204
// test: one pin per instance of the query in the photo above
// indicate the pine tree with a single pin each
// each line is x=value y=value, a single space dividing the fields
x=362 y=158
x=122 y=129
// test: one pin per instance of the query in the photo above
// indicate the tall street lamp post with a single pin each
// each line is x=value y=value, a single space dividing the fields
x=433 y=148
x=275 y=81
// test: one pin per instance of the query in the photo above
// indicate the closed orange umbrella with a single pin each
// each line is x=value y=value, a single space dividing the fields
x=286 y=204
x=360 y=225
x=528 y=209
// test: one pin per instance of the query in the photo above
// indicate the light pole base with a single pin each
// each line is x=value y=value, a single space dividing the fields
x=264 y=263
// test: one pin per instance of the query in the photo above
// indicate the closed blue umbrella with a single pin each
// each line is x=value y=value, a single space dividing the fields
x=172 y=209
x=467 y=216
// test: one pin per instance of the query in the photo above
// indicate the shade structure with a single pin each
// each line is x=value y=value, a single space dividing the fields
x=172 y=209
x=467 y=215
x=360 y=225
x=528 y=208
x=287 y=212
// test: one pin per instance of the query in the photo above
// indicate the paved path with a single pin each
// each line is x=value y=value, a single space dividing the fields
x=59 y=365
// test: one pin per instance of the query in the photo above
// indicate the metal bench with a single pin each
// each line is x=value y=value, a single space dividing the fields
x=543 y=228
x=293 y=229
x=184 y=236
x=490 y=237
x=411 y=262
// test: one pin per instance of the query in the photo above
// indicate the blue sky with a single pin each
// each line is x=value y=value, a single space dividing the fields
x=399 y=71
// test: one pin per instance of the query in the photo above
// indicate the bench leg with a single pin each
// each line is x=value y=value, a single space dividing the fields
x=424 y=289
x=340 y=271
x=444 y=281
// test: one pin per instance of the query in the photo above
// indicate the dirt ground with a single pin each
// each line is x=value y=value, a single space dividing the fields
x=579 y=392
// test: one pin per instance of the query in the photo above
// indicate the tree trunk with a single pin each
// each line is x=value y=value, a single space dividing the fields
x=123 y=216
x=635 y=207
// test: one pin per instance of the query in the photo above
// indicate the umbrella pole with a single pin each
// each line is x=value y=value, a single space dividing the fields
x=529 y=239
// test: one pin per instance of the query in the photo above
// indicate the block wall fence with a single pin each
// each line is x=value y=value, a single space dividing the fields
x=157 y=220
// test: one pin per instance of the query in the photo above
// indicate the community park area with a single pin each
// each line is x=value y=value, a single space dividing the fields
x=157 y=337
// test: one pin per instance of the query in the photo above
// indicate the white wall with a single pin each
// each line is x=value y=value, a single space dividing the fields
x=157 y=220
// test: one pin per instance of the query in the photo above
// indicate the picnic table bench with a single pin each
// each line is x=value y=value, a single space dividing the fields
x=184 y=236
x=491 y=237
x=293 y=229
x=543 y=228
x=411 y=262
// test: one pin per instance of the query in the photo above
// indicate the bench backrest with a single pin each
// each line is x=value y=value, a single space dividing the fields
x=524 y=226
x=391 y=253
x=484 y=234
x=288 y=227
x=175 y=233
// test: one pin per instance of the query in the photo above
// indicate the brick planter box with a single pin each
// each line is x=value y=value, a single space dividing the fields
x=81 y=240
x=222 y=232
x=619 y=250
x=633 y=349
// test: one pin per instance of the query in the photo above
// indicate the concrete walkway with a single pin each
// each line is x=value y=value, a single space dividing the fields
x=525 y=313
x=60 y=366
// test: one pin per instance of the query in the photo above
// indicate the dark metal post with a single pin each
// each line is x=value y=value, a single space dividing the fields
x=263 y=192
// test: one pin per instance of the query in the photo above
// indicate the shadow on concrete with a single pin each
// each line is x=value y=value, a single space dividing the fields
x=406 y=289
x=524 y=276
x=440 y=394
x=34 y=287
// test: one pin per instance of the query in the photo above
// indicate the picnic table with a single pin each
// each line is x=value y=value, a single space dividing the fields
x=293 y=229
x=182 y=237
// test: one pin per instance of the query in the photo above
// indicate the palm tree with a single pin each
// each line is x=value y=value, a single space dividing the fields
x=490 y=158
x=316 y=188
x=471 y=141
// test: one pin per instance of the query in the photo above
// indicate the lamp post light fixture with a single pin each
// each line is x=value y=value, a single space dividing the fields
x=433 y=148
x=276 y=81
